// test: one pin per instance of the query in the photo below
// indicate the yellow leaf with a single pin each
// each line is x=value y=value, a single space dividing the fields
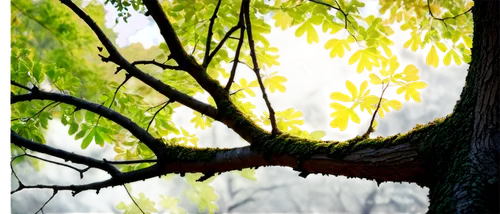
x=414 y=41
x=283 y=20
x=337 y=47
x=312 y=36
x=374 y=79
x=352 y=89
x=339 y=96
x=432 y=58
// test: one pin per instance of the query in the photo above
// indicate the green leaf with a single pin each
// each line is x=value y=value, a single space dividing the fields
x=73 y=127
x=86 y=141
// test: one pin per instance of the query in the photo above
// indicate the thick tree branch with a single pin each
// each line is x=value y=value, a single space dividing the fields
x=206 y=61
x=154 y=144
x=395 y=158
x=167 y=31
x=154 y=83
x=256 y=69
x=17 y=140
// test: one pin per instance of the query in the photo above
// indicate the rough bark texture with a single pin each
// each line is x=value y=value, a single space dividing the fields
x=466 y=170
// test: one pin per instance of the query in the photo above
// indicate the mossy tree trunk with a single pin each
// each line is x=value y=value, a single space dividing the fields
x=464 y=158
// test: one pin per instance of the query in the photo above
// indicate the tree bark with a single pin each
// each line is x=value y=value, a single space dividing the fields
x=466 y=173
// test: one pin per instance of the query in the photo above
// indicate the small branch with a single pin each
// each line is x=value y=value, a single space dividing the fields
x=206 y=60
x=156 y=113
x=133 y=200
x=12 y=82
x=51 y=197
x=81 y=171
x=238 y=49
x=219 y=46
x=234 y=92
x=370 y=128
x=256 y=66
x=153 y=62
x=343 y=13
x=37 y=113
x=131 y=161
x=156 y=106
x=127 y=77
x=443 y=19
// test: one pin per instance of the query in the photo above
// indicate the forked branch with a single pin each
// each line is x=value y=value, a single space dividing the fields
x=256 y=69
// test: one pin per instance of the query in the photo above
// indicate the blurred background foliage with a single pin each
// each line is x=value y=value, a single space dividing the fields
x=56 y=36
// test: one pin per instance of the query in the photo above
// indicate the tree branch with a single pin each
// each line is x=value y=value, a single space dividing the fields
x=151 y=121
x=154 y=83
x=343 y=13
x=154 y=144
x=167 y=31
x=206 y=60
x=133 y=200
x=17 y=140
x=395 y=158
x=51 y=197
x=153 y=62
x=241 y=23
x=81 y=171
x=272 y=117
x=219 y=46
x=12 y=82
x=443 y=19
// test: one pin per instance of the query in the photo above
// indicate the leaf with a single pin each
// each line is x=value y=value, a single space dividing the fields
x=339 y=96
x=86 y=141
x=170 y=203
x=73 y=127
x=274 y=83
x=414 y=41
x=341 y=116
x=432 y=58
x=312 y=35
x=248 y=174
x=143 y=202
x=338 y=46
x=410 y=90
x=201 y=193
x=317 y=135
x=283 y=20
x=368 y=58
x=352 y=89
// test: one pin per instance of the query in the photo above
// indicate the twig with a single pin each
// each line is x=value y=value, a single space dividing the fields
x=155 y=106
x=41 y=208
x=370 y=128
x=238 y=49
x=81 y=171
x=12 y=82
x=153 y=62
x=37 y=113
x=206 y=60
x=133 y=200
x=442 y=19
x=343 y=13
x=131 y=161
x=219 y=46
x=256 y=66
x=156 y=113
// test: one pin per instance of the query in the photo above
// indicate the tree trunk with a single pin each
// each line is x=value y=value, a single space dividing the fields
x=464 y=160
